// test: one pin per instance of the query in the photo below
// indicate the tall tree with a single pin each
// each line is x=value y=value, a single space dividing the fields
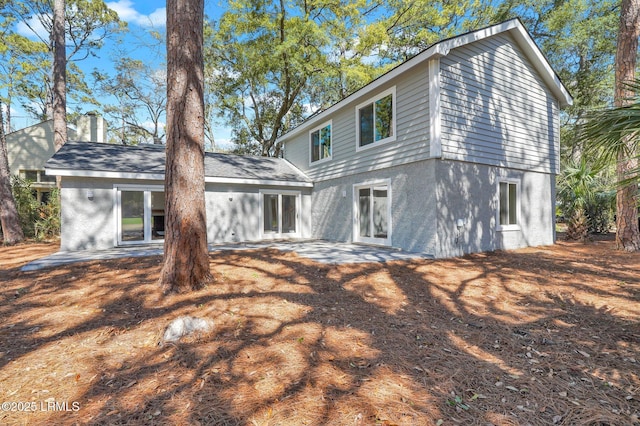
x=9 y=219
x=186 y=256
x=262 y=56
x=87 y=24
x=627 y=235
x=59 y=75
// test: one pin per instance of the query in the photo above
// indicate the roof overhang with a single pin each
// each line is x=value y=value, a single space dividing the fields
x=442 y=48
x=103 y=174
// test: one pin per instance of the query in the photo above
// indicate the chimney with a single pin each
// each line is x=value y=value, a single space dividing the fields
x=91 y=127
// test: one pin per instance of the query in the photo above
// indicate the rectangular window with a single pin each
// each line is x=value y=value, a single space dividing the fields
x=508 y=204
x=321 y=143
x=376 y=119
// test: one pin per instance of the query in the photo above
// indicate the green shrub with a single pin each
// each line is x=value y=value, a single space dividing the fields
x=38 y=220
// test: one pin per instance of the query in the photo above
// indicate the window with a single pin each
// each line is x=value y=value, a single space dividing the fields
x=375 y=119
x=37 y=176
x=320 y=139
x=508 y=205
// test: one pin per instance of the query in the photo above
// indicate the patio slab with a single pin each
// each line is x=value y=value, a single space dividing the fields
x=316 y=250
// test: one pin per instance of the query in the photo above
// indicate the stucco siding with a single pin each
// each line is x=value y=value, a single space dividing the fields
x=496 y=109
x=412 y=134
x=469 y=192
x=234 y=212
x=413 y=206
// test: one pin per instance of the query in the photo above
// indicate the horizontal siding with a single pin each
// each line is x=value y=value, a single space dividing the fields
x=412 y=134
x=496 y=109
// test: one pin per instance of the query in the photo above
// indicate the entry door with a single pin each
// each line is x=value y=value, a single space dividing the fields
x=140 y=215
x=280 y=214
x=372 y=214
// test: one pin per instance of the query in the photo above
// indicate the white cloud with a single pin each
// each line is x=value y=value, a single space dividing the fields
x=128 y=13
x=33 y=25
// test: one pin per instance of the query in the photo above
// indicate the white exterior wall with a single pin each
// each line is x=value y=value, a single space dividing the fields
x=470 y=192
x=412 y=134
x=413 y=206
x=233 y=212
x=496 y=109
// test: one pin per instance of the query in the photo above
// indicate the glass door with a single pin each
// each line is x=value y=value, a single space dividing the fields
x=140 y=215
x=280 y=214
x=372 y=212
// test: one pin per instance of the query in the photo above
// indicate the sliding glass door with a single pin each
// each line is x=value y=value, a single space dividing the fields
x=372 y=212
x=140 y=215
x=280 y=214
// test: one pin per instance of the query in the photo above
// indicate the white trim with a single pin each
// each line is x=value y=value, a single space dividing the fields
x=356 y=212
x=158 y=176
x=517 y=225
x=315 y=129
x=278 y=235
x=513 y=26
x=435 y=113
x=372 y=100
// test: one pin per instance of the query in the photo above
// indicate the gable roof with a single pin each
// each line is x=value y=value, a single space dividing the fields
x=514 y=27
x=101 y=160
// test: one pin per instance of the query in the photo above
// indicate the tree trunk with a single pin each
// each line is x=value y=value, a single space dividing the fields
x=9 y=219
x=627 y=234
x=59 y=75
x=186 y=256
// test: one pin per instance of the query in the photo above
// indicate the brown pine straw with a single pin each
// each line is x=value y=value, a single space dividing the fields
x=538 y=336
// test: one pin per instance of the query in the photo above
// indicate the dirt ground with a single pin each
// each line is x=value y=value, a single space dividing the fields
x=539 y=336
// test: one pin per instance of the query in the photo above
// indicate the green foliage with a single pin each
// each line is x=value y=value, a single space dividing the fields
x=38 y=220
x=268 y=65
x=586 y=200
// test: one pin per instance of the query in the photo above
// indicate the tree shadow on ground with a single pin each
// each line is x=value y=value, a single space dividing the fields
x=543 y=336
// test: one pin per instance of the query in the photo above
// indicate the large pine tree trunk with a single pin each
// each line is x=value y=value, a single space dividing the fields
x=9 y=219
x=627 y=235
x=186 y=257
x=59 y=76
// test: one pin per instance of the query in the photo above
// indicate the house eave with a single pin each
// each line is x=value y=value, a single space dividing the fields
x=160 y=177
x=441 y=49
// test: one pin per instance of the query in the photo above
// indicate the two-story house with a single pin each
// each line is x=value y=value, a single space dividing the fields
x=454 y=151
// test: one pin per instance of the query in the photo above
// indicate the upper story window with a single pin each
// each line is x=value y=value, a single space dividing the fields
x=508 y=205
x=37 y=176
x=376 y=119
x=320 y=140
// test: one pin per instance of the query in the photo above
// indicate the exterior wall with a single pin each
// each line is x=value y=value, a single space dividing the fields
x=87 y=224
x=469 y=192
x=31 y=147
x=413 y=206
x=412 y=134
x=233 y=212
x=496 y=109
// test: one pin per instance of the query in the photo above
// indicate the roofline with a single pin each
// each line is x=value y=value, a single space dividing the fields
x=442 y=48
x=160 y=176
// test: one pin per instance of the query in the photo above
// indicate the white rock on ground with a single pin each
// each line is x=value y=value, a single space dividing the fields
x=184 y=326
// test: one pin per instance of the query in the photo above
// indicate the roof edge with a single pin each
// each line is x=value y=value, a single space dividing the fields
x=442 y=48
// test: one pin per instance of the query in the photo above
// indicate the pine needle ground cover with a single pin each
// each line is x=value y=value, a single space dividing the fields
x=538 y=336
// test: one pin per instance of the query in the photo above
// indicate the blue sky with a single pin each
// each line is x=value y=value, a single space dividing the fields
x=141 y=16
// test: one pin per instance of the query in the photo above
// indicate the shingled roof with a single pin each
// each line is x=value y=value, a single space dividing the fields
x=148 y=162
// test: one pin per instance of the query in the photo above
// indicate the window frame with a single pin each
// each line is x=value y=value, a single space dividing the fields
x=390 y=91
x=510 y=226
x=147 y=213
x=372 y=185
x=319 y=129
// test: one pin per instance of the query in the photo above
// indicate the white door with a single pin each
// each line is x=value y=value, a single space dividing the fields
x=372 y=213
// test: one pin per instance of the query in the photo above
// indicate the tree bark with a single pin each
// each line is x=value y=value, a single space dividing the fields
x=59 y=75
x=9 y=219
x=186 y=256
x=627 y=234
